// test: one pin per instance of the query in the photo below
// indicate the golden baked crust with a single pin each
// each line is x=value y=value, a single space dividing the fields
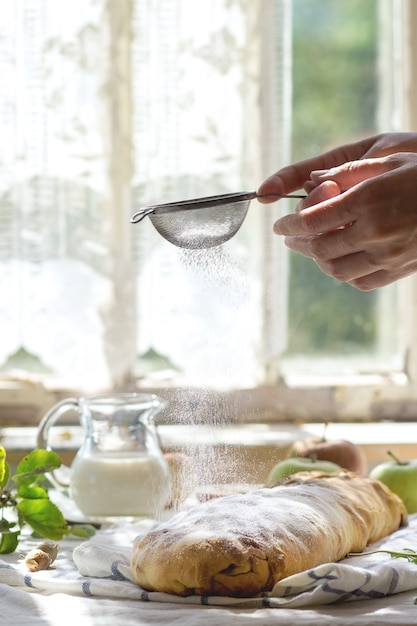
x=241 y=545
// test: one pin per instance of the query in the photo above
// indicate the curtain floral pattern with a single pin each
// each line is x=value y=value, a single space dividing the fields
x=106 y=105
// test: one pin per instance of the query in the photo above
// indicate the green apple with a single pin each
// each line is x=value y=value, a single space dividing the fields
x=401 y=478
x=300 y=464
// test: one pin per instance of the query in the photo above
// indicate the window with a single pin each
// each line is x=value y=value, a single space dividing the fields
x=339 y=93
x=106 y=107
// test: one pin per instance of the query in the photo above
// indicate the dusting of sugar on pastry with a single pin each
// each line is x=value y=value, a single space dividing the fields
x=265 y=535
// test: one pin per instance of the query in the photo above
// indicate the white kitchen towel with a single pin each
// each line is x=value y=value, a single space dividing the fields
x=100 y=567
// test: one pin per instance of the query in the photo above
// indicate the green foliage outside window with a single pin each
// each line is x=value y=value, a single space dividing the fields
x=335 y=93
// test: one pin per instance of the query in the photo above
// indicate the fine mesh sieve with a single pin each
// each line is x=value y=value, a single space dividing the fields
x=186 y=225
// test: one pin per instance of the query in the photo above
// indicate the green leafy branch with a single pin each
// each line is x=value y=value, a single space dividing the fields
x=24 y=499
x=405 y=553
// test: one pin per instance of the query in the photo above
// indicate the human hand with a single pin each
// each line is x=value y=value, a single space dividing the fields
x=365 y=236
x=295 y=176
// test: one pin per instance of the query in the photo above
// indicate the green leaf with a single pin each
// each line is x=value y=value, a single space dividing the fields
x=29 y=500
x=5 y=526
x=35 y=464
x=3 y=467
x=32 y=492
x=44 y=517
x=8 y=542
x=20 y=518
x=6 y=476
x=2 y=462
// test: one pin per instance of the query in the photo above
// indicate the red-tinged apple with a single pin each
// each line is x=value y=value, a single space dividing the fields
x=347 y=454
x=401 y=478
x=287 y=467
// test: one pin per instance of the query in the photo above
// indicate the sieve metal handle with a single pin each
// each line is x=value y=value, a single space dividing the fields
x=139 y=215
x=280 y=195
x=204 y=203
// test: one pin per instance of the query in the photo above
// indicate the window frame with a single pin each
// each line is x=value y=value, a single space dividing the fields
x=390 y=396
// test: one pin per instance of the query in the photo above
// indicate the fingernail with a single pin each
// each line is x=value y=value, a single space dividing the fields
x=309 y=186
x=319 y=173
x=276 y=228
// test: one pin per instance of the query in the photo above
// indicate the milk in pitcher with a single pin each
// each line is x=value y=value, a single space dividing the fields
x=134 y=486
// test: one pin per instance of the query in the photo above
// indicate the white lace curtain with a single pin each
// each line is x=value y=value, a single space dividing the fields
x=107 y=105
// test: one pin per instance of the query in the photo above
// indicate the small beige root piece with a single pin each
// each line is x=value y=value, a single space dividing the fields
x=42 y=556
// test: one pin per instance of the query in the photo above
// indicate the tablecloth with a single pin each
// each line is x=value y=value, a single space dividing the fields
x=91 y=580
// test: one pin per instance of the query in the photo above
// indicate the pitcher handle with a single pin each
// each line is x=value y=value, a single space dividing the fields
x=50 y=418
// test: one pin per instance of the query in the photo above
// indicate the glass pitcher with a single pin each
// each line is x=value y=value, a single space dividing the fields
x=119 y=470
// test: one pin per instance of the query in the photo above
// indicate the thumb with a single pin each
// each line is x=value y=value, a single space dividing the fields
x=352 y=173
x=320 y=193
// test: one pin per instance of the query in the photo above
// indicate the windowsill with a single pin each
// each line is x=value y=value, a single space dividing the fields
x=327 y=379
x=306 y=399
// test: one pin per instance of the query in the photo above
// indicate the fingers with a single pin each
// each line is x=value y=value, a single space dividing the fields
x=369 y=185
x=318 y=193
x=327 y=247
x=350 y=267
x=341 y=254
x=325 y=209
x=292 y=177
x=362 y=271
x=309 y=186
x=378 y=279
x=354 y=172
x=391 y=143
x=359 y=219
x=372 y=281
